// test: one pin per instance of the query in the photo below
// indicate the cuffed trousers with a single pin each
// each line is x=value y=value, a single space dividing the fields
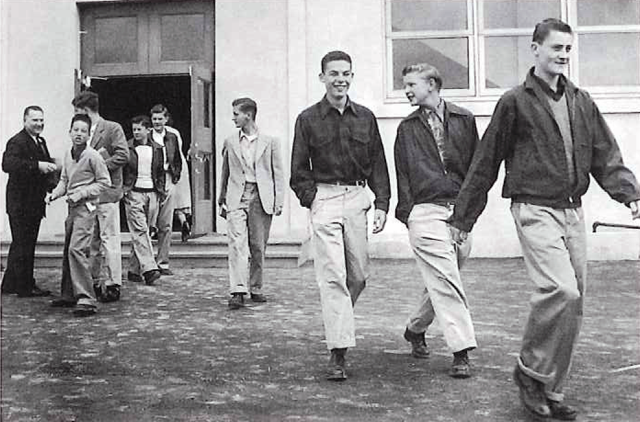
x=106 y=248
x=248 y=231
x=165 y=224
x=139 y=207
x=439 y=259
x=77 y=284
x=341 y=261
x=553 y=244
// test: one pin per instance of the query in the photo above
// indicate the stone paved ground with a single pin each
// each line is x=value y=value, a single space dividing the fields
x=174 y=352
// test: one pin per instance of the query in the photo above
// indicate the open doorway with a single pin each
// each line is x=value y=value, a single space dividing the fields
x=122 y=98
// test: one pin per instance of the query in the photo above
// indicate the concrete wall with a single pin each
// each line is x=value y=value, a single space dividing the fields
x=39 y=50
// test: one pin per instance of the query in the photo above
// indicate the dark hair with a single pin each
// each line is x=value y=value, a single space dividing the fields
x=334 y=56
x=159 y=108
x=542 y=30
x=86 y=99
x=31 y=107
x=80 y=118
x=246 y=105
x=141 y=120
x=426 y=70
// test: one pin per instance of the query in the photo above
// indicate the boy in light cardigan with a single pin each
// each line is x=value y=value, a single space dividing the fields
x=84 y=176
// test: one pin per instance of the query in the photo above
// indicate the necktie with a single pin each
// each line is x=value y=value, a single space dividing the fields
x=437 y=128
x=43 y=148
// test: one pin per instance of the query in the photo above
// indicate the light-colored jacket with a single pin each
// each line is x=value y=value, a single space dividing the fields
x=269 y=173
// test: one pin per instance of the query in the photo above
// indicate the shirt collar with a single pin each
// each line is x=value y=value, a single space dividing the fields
x=326 y=107
x=248 y=137
x=555 y=95
x=439 y=111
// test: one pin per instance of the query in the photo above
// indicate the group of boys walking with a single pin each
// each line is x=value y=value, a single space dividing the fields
x=548 y=132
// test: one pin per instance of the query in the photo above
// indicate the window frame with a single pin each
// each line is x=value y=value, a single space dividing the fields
x=477 y=35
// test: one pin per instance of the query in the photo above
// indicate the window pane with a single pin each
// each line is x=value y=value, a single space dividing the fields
x=610 y=12
x=182 y=37
x=609 y=59
x=449 y=55
x=428 y=15
x=518 y=13
x=206 y=111
x=507 y=60
x=116 y=40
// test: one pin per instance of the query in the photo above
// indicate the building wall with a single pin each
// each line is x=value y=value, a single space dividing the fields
x=278 y=66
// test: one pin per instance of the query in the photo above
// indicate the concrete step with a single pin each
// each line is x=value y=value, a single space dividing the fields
x=199 y=252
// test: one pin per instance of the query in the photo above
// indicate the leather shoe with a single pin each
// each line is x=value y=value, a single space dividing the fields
x=236 y=301
x=258 y=297
x=532 y=394
x=85 y=310
x=460 y=367
x=419 y=348
x=136 y=278
x=151 y=276
x=562 y=412
x=62 y=303
x=336 y=370
x=111 y=294
x=35 y=292
x=186 y=231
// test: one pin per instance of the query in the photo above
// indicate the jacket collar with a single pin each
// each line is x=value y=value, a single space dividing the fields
x=326 y=107
x=532 y=83
x=449 y=109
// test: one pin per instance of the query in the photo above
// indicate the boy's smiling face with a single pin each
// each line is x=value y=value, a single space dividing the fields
x=79 y=133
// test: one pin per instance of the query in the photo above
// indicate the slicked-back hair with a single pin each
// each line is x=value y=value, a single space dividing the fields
x=87 y=99
x=141 y=120
x=542 y=29
x=334 y=56
x=80 y=118
x=31 y=107
x=246 y=105
x=425 y=70
x=159 y=108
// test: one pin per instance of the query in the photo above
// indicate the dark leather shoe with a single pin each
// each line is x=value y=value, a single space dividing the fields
x=62 y=303
x=111 y=294
x=85 y=310
x=336 y=370
x=136 y=278
x=532 y=394
x=460 y=367
x=165 y=271
x=151 y=276
x=258 y=297
x=561 y=411
x=419 y=348
x=236 y=301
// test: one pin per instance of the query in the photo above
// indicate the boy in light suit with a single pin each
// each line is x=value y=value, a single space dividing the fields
x=252 y=191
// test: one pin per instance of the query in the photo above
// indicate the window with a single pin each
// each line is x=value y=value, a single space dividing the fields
x=482 y=47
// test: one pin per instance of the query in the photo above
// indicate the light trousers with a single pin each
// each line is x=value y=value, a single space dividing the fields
x=165 y=223
x=139 y=207
x=339 y=221
x=106 y=247
x=76 y=284
x=439 y=260
x=553 y=244
x=248 y=231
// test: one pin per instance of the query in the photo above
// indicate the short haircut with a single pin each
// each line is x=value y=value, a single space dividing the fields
x=427 y=72
x=141 y=120
x=81 y=118
x=542 y=29
x=159 y=108
x=246 y=105
x=86 y=99
x=334 y=56
x=31 y=107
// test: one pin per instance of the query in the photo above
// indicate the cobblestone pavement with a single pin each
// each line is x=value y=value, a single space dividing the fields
x=174 y=352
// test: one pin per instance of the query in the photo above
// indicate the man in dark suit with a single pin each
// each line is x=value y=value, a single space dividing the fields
x=31 y=170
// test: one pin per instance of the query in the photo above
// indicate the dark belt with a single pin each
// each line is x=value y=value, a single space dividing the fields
x=361 y=183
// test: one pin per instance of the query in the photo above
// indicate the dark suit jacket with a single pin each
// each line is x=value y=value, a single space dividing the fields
x=109 y=140
x=173 y=155
x=26 y=187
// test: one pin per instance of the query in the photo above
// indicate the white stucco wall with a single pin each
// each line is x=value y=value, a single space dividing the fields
x=38 y=53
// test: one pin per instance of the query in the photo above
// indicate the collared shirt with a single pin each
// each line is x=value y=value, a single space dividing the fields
x=159 y=139
x=331 y=147
x=248 y=145
x=560 y=87
x=435 y=119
